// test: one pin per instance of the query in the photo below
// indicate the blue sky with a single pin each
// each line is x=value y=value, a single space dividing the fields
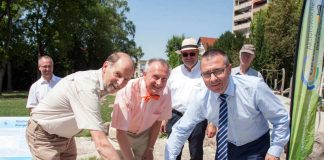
x=157 y=21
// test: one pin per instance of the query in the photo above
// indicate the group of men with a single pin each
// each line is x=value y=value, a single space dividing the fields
x=195 y=99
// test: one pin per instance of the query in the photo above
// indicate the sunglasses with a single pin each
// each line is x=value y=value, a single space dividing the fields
x=191 y=54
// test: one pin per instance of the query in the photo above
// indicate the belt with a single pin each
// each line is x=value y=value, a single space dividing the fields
x=177 y=112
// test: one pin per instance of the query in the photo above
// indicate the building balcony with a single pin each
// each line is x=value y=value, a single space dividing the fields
x=243 y=16
x=243 y=6
x=258 y=2
x=243 y=26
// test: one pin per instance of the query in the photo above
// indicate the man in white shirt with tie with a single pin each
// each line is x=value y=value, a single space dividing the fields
x=44 y=84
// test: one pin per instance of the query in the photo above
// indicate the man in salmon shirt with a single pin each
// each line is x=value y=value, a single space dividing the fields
x=139 y=110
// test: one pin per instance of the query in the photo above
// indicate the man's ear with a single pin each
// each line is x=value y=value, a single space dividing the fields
x=106 y=65
x=229 y=67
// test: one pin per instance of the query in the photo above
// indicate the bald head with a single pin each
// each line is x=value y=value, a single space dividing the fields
x=117 y=70
x=114 y=57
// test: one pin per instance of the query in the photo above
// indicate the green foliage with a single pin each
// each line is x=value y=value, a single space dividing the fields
x=172 y=46
x=231 y=44
x=79 y=35
x=274 y=34
x=281 y=29
x=262 y=59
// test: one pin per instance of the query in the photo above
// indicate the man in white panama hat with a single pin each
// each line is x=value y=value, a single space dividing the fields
x=184 y=82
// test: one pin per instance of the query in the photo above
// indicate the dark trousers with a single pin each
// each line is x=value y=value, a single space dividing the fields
x=196 y=139
x=255 y=150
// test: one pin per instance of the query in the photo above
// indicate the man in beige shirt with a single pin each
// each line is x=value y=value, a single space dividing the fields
x=73 y=105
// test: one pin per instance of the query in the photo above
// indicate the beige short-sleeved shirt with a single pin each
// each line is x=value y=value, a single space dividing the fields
x=72 y=105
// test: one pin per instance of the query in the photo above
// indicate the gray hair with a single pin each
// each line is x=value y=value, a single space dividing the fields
x=44 y=57
x=160 y=60
x=212 y=52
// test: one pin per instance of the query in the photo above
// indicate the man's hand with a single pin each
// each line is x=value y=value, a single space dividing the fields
x=163 y=126
x=211 y=130
x=148 y=154
x=271 y=157
x=104 y=147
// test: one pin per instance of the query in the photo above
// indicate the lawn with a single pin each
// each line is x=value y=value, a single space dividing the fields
x=13 y=104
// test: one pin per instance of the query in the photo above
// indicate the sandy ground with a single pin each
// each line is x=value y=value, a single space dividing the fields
x=86 y=148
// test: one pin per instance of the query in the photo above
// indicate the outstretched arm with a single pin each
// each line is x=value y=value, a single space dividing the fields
x=154 y=132
x=124 y=145
x=104 y=147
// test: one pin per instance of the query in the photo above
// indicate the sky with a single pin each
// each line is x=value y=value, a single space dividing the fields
x=157 y=21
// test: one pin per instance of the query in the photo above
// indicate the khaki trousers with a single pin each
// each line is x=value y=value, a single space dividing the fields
x=138 y=143
x=43 y=145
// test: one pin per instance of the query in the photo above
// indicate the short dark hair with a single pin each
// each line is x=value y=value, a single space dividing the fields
x=213 y=52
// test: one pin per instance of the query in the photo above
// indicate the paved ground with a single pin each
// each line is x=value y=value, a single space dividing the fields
x=86 y=148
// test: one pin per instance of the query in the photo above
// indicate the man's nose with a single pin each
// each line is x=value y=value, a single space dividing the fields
x=159 y=81
x=213 y=77
x=122 y=82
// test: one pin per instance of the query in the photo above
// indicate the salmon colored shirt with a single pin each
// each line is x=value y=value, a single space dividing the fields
x=132 y=114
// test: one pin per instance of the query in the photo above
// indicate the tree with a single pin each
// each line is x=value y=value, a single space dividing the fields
x=281 y=27
x=231 y=44
x=78 y=35
x=262 y=59
x=172 y=46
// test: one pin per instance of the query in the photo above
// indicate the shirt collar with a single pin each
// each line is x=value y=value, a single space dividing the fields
x=43 y=81
x=239 y=70
x=196 y=67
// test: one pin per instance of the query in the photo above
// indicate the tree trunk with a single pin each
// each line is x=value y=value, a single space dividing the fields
x=9 y=78
x=7 y=44
x=2 y=72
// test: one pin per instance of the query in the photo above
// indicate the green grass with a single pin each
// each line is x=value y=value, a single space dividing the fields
x=13 y=104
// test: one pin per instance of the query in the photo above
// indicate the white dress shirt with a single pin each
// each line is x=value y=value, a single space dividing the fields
x=184 y=84
x=39 y=90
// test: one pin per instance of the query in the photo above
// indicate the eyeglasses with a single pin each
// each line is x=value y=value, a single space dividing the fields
x=216 y=72
x=191 y=54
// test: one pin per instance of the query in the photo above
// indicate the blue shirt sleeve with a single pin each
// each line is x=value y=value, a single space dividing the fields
x=274 y=111
x=195 y=113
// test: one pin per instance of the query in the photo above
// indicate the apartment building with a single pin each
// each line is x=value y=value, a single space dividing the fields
x=243 y=14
